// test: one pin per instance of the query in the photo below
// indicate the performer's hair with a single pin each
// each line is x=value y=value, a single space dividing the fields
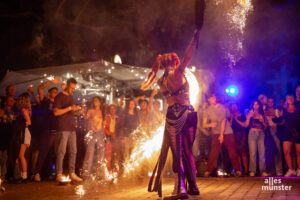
x=169 y=59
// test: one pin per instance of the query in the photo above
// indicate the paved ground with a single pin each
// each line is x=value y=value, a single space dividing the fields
x=210 y=188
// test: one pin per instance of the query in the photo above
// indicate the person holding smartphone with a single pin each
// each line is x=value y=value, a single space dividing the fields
x=64 y=110
x=256 y=138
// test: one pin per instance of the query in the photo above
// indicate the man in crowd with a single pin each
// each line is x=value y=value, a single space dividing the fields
x=214 y=117
x=48 y=127
x=64 y=109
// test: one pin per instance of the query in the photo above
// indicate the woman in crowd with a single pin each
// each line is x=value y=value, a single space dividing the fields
x=256 y=138
x=95 y=137
x=180 y=120
x=291 y=121
x=21 y=138
x=240 y=134
x=129 y=122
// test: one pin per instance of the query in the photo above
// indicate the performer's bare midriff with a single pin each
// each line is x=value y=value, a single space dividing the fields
x=173 y=82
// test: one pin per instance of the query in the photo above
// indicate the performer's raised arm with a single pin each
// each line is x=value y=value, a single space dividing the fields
x=189 y=52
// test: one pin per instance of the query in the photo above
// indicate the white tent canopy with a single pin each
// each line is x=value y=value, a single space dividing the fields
x=94 y=78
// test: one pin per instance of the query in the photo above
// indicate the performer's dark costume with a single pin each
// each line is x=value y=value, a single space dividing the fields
x=179 y=134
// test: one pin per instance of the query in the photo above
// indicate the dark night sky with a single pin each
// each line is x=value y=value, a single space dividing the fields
x=41 y=33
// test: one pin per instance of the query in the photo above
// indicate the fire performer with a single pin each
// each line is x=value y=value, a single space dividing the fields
x=181 y=121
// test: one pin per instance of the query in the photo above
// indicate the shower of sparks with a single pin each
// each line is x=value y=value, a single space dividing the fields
x=238 y=15
x=145 y=148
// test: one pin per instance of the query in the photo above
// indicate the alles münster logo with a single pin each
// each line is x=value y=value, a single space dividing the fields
x=275 y=184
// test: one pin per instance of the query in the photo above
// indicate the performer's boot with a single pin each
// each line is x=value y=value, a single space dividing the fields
x=193 y=188
x=181 y=191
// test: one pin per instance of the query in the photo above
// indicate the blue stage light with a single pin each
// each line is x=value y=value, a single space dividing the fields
x=232 y=90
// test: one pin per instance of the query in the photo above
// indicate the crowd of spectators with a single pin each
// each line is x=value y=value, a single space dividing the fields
x=36 y=131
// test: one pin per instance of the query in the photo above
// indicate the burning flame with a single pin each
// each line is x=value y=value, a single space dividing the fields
x=194 y=86
x=145 y=148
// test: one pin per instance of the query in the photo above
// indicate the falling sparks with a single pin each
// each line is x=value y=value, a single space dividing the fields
x=238 y=15
x=88 y=137
x=145 y=148
x=79 y=190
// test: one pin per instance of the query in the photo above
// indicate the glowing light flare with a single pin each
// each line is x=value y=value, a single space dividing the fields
x=232 y=90
x=117 y=59
x=50 y=78
x=79 y=190
x=194 y=87
x=66 y=179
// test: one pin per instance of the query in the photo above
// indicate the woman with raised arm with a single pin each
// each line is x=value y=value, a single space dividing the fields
x=181 y=121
